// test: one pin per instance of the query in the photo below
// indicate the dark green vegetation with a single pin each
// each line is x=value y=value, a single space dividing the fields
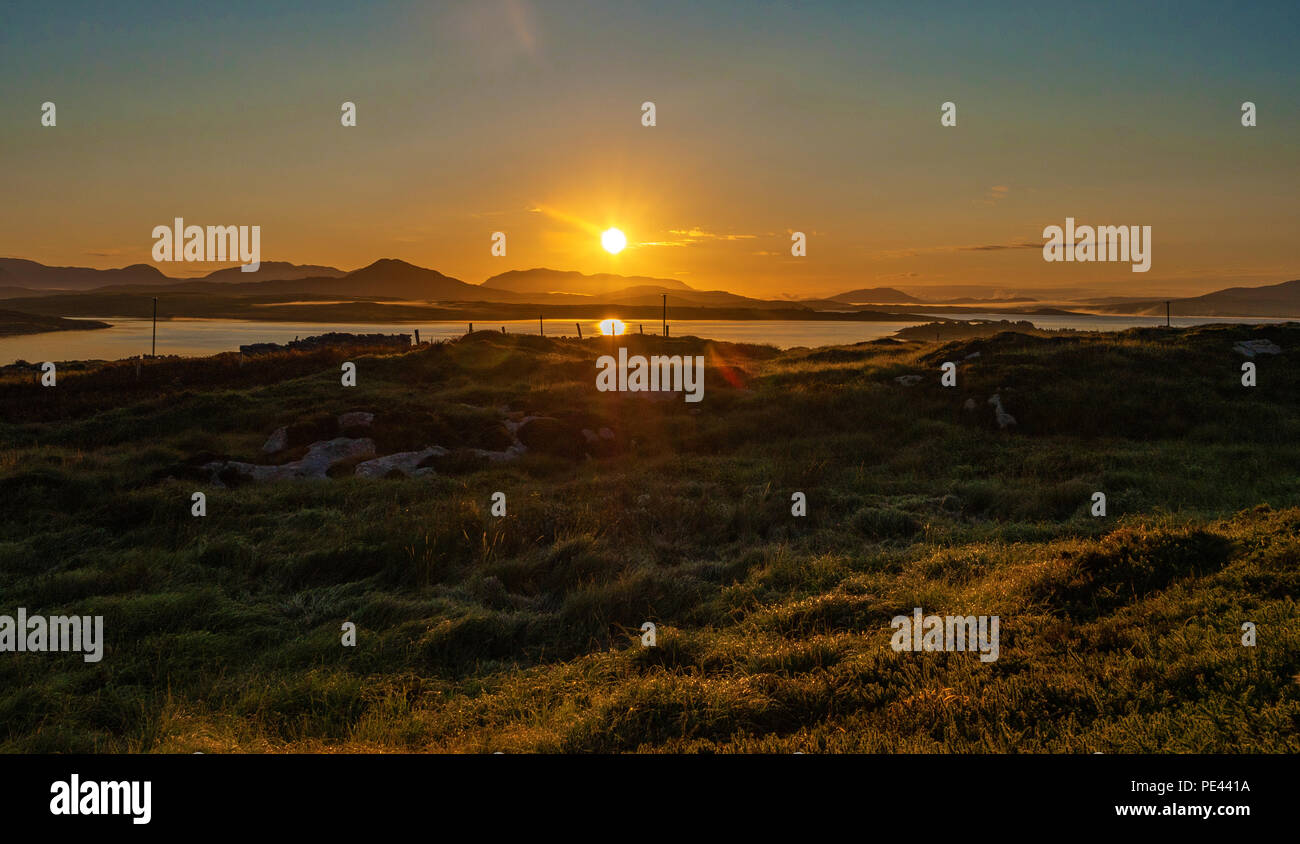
x=17 y=322
x=969 y=329
x=518 y=634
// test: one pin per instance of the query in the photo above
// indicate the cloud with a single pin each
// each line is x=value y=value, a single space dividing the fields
x=929 y=250
x=694 y=236
x=697 y=233
x=994 y=247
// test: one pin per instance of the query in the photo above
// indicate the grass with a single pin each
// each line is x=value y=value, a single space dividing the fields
x=478 y=633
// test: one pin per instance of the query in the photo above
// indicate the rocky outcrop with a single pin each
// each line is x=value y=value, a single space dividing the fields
x=1251 y=348
x=277 y=442
x=314 y=465
x=353 y=444
x=406 y=463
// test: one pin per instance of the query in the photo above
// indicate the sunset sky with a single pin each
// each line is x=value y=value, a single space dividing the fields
x=525 y=117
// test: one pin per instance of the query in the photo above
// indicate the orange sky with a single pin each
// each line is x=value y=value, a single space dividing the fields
x=525 y=118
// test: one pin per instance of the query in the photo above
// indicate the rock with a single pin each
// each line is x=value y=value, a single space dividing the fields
x=970 y=404
x=322 y=455
x=355 y=419
x=314 y=465
x=1250 y=348
x=972 y=356
x=1004 y=419
x=404 y=463
x=277 y=442
x=590 y=436
x=908 y=380
x=514 y=452
x=606 y=434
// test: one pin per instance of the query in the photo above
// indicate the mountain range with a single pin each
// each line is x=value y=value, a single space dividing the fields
x=390 y=278
x=386 y=278
x=1270 y=300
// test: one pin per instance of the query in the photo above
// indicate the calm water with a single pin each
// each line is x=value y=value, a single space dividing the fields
x=130 y=337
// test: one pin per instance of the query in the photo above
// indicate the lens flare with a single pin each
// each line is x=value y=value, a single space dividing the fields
x=612 y=327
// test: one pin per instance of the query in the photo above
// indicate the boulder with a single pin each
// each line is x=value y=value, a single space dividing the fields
x=278 y=441
x=406 y=463
x=1251 y=348
x=514 y=452
x=355 y=423
x=314 y=465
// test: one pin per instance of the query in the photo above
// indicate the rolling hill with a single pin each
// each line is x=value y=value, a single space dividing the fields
x=19 y=272
x=1272 y=300
x=875 y=296
x=543 y=280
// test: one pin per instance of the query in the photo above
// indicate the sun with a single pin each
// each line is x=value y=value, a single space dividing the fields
x=612 y=327
x=613 y=240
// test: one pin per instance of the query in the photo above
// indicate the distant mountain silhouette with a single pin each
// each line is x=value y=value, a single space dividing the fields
x=542 y=280
x=1272 y=300
x=389 y=278
x=32 y=276
x=386 y=278
x=649 y=294
x=274 y=271
x=875 y=296
x=19 y=272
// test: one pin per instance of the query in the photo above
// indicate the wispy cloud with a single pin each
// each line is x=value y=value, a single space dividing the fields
x=994 y=247
x=930 y=250
x=695 y=234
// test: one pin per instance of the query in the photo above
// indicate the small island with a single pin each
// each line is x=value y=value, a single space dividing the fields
x=13 y=323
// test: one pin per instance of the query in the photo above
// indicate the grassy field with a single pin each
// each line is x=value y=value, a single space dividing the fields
x=519 y=633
